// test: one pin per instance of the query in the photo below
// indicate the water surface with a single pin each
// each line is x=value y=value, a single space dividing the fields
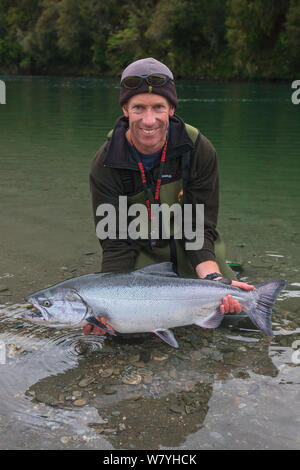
x=226 y=388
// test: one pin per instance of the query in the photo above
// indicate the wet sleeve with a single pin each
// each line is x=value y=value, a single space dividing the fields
x=118 y=254
x=203 y=188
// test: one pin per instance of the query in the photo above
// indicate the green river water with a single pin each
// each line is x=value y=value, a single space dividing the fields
x=229 y=388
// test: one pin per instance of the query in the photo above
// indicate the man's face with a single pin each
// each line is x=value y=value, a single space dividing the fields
x=148 y=121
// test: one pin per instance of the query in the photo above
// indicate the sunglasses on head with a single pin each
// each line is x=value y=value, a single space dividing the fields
x=155 y=79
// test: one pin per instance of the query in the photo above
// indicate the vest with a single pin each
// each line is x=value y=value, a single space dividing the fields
x=126 y=176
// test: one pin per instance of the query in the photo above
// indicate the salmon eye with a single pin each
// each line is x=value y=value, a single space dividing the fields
x=47 y=303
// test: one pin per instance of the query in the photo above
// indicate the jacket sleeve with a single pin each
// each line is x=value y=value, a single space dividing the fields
x=106 y=187
x=203 y=188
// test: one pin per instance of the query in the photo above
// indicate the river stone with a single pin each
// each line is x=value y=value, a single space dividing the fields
x=228 y=356
x=109 y=391
x=156 y=356
x=189 y=386
x=87 y=381
x=47 y=399
x=80 y=402
x=132 y=379
x=145 y=356
x=107 y=373
x=134 y=358
x=147 y=379
x=139 y=364
x=175 y=408
x=217 y=356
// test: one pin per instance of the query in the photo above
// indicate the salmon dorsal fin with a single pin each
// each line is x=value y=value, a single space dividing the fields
x=160 y=269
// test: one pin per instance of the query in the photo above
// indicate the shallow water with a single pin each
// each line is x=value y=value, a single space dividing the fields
x=228 y=388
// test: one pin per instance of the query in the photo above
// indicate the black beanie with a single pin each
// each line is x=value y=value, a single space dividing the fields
x=147 y=67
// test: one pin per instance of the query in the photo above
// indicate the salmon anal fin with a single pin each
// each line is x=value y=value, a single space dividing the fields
x=167 y=336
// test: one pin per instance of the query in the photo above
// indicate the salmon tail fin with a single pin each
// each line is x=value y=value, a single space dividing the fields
x=261 y=312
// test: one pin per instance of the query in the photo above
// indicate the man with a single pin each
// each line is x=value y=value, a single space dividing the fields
x=153 y=157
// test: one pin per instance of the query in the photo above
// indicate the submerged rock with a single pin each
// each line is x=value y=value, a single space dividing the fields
x=87 y=381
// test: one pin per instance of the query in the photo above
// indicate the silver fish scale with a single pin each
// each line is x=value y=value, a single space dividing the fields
x=150 y=299
x=141 y=302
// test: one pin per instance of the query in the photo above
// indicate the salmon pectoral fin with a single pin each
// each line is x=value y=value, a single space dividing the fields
x=93 y=321
x=212 y=321
x=167 y=336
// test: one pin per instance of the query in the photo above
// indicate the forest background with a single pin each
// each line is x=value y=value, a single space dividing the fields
x=210 y=39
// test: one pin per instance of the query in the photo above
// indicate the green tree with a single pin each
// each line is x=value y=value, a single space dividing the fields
x=254 y=34
x=190 y=35
x=16 y=18
x=187 y=34
x=41 y=40
x=292 y=27
x=83 y=28
x=196 y=38
x=129 y=42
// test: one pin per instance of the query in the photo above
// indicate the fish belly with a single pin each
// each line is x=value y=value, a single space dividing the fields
x=149 y=315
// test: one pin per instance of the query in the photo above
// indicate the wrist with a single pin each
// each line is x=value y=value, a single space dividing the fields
x=206 y=267
x=218 y=277
x=213 y=276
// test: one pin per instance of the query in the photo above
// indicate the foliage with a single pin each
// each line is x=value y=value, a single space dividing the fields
x=195 y=38
x=255 y=34
x=292 y=26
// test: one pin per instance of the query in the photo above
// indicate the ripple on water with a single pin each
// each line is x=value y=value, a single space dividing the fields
x=52 y=386
x=31 y=353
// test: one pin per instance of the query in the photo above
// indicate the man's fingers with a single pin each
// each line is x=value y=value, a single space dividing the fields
x=237 y=307
x=242 y=285
x=98 y=331
x=230 y=305
x=87 y=329
x=225 y=304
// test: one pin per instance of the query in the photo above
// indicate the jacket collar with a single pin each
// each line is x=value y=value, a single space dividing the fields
x=119 y=156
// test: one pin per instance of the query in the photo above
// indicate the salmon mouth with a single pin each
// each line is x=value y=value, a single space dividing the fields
x=34 y=315
x=35 y=312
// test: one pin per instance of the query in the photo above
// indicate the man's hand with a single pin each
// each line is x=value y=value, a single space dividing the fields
x=229 y=304
x=95 y=330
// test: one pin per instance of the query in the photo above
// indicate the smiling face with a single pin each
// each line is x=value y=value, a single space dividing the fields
x=148 y=116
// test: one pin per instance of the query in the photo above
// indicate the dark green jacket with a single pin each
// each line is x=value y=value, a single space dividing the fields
x=113 y=162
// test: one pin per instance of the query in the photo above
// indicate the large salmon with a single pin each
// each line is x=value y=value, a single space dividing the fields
x=151 y=299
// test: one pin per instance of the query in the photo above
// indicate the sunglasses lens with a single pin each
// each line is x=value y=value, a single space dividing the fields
x=132 y=82
x=157 y=80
